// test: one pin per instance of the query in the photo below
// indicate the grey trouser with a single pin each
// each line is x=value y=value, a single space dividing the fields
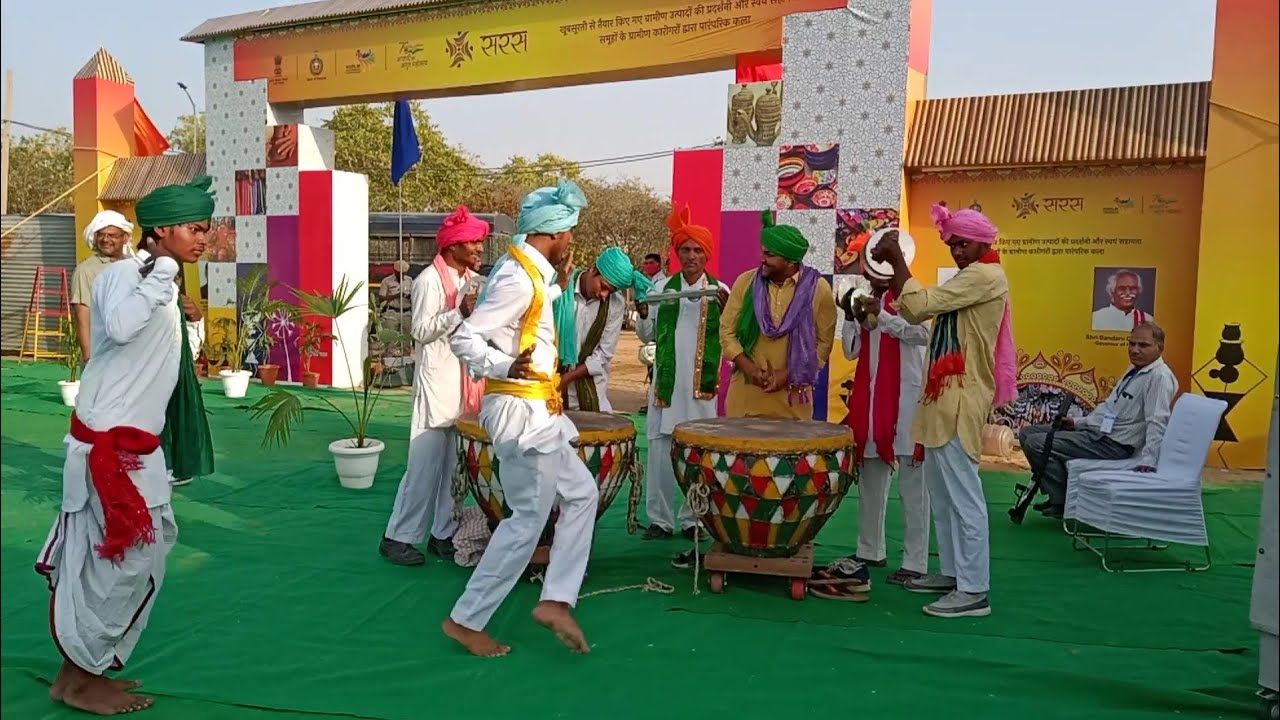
x=1067 y=445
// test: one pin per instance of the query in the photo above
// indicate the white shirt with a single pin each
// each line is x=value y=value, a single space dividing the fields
x=1112 y=318
x=395 y=293
x=913 y=341
x=195 y=329
x=1142 y=404
x=437 y=381
x=598 y=362
x=488 y=343
x=684 y=406
x=132 y=370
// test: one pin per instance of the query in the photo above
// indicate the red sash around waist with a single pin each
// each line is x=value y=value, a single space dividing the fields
x=114 y=453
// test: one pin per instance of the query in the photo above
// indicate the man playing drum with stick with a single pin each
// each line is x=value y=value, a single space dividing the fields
x=686 y=379
x=510 y=339
x=778 y=329
x=970 y=367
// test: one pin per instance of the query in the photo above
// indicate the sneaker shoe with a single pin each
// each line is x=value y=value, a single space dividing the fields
x=931 y=584
x=653 y=532
x=959 y=604
x=441 y=548
x=845 y=572
x=684 y=560
x=400 y=553
x=871 y=563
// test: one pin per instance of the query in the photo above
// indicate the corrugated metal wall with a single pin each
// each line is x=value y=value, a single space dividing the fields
x=46 y=240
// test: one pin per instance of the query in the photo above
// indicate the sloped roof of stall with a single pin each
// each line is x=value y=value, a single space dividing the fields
x=133 y=178
x=1121 y=125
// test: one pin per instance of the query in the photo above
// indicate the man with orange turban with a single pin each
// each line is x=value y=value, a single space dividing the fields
x=443 y=296
x=686 y=377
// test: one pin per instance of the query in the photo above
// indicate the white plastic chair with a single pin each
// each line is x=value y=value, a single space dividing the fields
x=1163 y=506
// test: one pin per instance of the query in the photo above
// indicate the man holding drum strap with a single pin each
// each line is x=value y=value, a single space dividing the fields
x=589 y=321
x=510 y=339
x=970 y=368
x=441 y=393
x=686 y=368
x=778 y=329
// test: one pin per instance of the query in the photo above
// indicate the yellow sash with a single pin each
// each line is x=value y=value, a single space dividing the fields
x=542 y=387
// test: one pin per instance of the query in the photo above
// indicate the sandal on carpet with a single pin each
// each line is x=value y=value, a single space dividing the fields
x=901 y=576
x=846 y=593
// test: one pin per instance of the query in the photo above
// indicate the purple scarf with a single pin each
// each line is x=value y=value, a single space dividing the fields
x=797 y=326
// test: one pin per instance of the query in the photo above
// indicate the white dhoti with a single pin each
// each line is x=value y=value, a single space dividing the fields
x=660 y=488
x=532 y=482
x=873 y=501
x=960 y=515
x=100 y=607
x=425 y=496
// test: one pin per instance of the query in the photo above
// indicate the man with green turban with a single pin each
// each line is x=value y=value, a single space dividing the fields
x=105 y=557
x=588 y=323
x=778 y=329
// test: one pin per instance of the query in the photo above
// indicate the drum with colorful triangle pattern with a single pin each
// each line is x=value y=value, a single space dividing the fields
x=606 y=443
x=772 y=484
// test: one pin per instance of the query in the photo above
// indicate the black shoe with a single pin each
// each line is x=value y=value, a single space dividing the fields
x=400 y=553
x=441 y=548
x=653 y=532
x=1042 y=506
x=685 y=560
x=1054 y=511
x=688 y=534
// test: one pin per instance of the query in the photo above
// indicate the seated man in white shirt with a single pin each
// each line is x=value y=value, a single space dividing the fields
x=1130 y=423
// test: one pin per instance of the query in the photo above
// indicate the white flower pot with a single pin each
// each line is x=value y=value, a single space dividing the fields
x=356 y=466
x=69 y=389
x=235 y=383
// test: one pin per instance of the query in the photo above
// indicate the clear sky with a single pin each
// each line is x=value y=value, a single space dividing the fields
x=980 y=47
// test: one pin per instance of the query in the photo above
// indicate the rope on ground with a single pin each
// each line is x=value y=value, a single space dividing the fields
x=699 y=501
x=650 y=585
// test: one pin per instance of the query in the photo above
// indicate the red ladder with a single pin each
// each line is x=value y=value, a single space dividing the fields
x=47 y=303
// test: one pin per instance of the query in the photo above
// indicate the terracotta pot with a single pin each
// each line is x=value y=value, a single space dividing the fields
x=310 y=379
x=268 y=374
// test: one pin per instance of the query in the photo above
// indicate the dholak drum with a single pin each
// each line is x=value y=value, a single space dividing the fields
x=606 y=443
x=770 y=484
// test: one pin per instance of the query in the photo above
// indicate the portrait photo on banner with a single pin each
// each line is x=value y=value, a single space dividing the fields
x=1122 y=298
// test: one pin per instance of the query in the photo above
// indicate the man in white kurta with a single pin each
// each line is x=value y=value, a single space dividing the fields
x=441 y=302
x=105 y=569
x=588 y=324
x=510 y=340
x=881 y=406
x=686 y=367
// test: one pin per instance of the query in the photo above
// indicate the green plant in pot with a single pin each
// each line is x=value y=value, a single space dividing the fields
x=70 y=345
x=356 y=457
x=275 y=327
x=254 y=305
x=310 y=337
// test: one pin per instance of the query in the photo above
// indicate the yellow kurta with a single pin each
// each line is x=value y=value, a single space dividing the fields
x=979 y=293
x=747 y=400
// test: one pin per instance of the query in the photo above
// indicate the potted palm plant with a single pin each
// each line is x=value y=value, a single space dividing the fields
x=355 y=458
x=253 y=297
x=70 y=387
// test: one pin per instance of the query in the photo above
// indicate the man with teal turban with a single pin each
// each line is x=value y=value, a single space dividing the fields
x=589 y=321
x=105 y=557
x=778 y=329
x=509 y=339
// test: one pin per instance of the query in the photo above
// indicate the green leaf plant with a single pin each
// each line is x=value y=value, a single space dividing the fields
x=285 y=409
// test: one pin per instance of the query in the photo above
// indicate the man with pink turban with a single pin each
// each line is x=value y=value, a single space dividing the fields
x=443 y=295
x=969 y=369
x=686 y=367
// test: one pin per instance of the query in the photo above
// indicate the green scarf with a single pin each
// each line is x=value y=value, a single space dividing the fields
x=708 y=378
x=588 y=398
x=748 y=326
x=187 y=444
x=565 y=309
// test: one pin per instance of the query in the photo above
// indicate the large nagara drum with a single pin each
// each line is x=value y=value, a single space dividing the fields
x=606 y=443
x=771 y=484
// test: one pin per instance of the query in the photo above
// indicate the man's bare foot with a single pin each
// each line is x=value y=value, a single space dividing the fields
x=102 y=696
x=478 y=643
x=69 y=674
x=555 y=616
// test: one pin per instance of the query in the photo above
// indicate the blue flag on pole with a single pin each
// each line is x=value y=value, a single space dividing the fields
x=405 y=151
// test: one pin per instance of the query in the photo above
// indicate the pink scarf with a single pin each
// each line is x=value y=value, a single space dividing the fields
x=472 y=390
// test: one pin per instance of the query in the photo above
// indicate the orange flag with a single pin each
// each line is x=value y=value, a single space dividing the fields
x=147 y=139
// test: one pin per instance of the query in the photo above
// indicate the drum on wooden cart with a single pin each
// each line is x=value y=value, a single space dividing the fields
x=606 y=443
x=769 y=486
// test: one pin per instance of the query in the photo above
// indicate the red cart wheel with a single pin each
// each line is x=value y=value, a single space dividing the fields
x=717 y=582
x=799 y=586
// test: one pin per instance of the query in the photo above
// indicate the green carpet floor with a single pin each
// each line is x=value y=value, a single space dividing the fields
x=277 y=606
